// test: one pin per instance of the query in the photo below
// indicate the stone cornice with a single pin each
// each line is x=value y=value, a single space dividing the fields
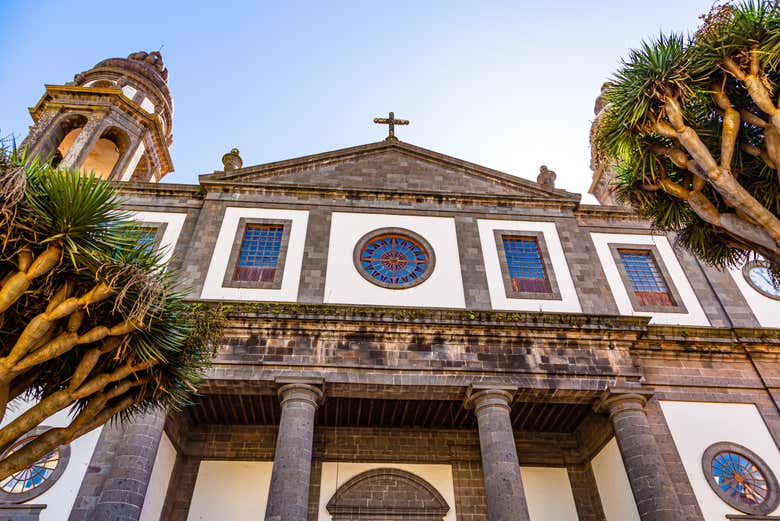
x=632 y=332
x=158 y=189
x=242 y=311
x=103 y=99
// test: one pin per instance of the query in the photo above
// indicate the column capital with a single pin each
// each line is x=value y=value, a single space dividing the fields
x=480 y=396
x=307 y=390
x=616 y=399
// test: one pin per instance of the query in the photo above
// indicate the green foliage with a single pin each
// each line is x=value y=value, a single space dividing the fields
x=688 y=69
x=99 y=242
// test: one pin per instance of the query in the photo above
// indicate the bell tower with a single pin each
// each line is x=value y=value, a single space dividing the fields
x=115 y=119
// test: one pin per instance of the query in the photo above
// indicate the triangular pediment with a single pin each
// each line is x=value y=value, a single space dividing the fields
x=392 y=166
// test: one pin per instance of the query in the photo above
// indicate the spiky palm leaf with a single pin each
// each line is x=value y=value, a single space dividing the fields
x=687 y=73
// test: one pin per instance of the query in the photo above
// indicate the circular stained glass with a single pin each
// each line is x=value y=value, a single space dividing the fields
x=758 y=276
x=34 y=480
x=740 y=478
x=394 y=258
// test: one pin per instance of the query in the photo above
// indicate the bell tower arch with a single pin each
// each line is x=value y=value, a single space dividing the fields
x=116 y=119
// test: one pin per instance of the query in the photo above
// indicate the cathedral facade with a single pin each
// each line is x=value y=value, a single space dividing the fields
x=414 y=337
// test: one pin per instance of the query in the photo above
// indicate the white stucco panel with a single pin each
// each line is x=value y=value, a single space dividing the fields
x=158 y=481
x=548 y=494
x=765 y=309
x=234 y=490
x=344 y=285
x=617 y=499
x=147 y=105
x=569 y=302
x=213 y=288
x=695 y=315
x=129 y=91
x=695 y=426
x=174 y=224
x=60 y=497
x=336 y=474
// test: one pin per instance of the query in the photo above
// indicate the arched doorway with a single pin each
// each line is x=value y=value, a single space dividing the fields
x=386 y=494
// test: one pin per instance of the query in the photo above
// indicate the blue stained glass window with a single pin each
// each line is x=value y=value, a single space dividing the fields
x=32 y=476
x=644 y=278
x=524 y=264
x=739 y=478
x=394 y=260
x=147 y=238
x=258 y=258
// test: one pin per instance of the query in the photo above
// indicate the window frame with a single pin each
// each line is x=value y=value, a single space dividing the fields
x=677 y=303
x=22 y=497
x=238 y=239
x=772 y=500
x=394 y=230
x=159 y=231
x=547 y=266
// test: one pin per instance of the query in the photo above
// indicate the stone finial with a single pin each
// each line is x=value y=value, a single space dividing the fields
x=546 y=177
x=232 y=160
x=153 y=59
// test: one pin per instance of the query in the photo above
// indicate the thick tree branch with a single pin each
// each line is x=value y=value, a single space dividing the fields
x=730 y=126
x=17 y=284
x=41 y=324
x=63 y=399
x=721 y=179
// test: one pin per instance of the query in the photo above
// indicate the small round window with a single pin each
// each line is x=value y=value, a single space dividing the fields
x=760 y=279
x=741 y=478
x=34 y=480
x=394 y=258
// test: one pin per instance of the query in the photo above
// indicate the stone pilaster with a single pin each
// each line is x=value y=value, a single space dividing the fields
x=125 y=489
x=655 y=497
x=83 y=144
x=503 y=485
x=288 y=497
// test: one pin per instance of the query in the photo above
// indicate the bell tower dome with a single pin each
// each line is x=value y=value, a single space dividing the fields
x=115 y=119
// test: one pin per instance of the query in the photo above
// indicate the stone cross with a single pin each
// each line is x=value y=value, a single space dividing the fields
x=391 y=122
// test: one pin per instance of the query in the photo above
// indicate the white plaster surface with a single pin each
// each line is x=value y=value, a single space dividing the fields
x=695 y=315
x=569 y=301
x=139 y=150
x=617 y=499
x=765 y=309
x=158 y=482
x=129 y=91
x=147 y=105
x=231 y=490
x=344 y=285
x=213 y=288
x=336 y=474
x=175 y=223
x=60 y=497
x=695 y=426
x=548 y=494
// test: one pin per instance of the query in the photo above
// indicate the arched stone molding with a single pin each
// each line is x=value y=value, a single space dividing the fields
x=60 y=136
x=108 y=154
x=387 y=493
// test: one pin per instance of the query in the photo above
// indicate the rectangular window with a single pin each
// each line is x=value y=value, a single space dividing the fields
x=644 y=278
x=525 y=266
x=258 y=257
x=147 y=238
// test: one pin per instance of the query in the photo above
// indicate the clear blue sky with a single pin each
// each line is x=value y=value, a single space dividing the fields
x=509 y=85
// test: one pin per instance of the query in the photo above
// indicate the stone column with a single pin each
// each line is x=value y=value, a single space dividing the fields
x=653 y=491
x=124 y=491
x=84 y=143
x=288 y=497
x=503 y=485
